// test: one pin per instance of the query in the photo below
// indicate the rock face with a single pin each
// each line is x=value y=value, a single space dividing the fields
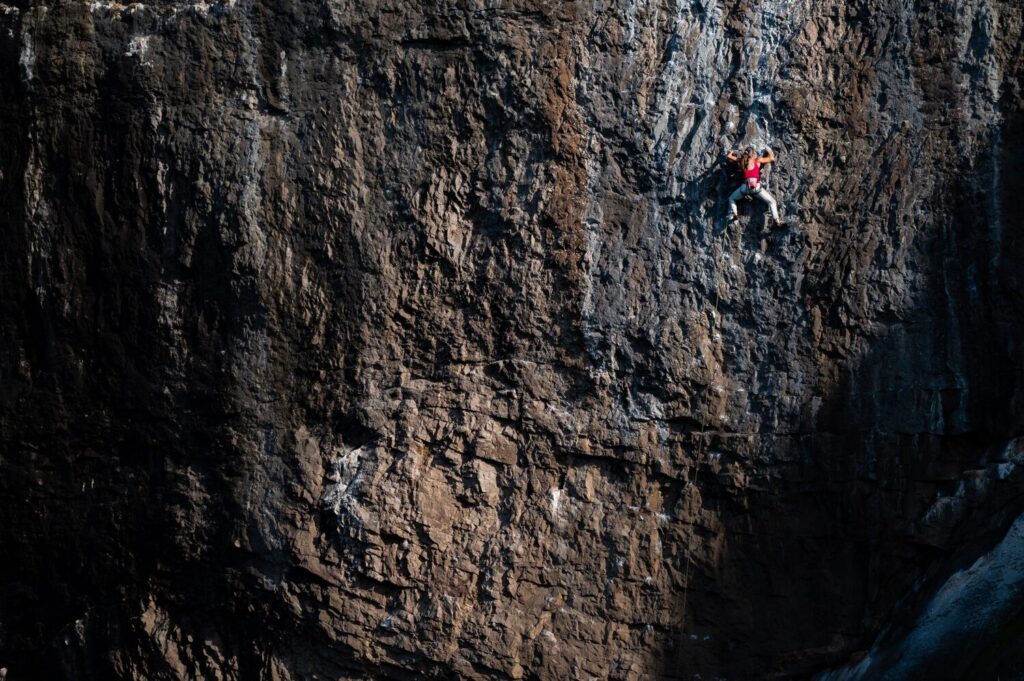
x=383 y=339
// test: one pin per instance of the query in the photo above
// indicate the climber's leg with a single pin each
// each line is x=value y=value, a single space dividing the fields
x=763 y=194
x=733 y=198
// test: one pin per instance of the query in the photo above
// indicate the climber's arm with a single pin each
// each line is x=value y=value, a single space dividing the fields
x=768 y=158
x=732 y=156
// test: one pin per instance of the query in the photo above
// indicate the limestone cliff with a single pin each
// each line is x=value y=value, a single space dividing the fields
x=391 y=340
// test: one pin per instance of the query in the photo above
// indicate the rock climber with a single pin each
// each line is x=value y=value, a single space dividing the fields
x=750 y=163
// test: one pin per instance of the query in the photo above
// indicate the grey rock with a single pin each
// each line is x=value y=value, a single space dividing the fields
x=398 y=340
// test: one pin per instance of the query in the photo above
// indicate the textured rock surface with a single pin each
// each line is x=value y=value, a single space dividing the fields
x=381 y=340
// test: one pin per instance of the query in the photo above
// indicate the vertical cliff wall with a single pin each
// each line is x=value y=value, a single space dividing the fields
x=390 y=340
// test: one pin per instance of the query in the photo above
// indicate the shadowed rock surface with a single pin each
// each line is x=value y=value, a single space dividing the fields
x=389 y=340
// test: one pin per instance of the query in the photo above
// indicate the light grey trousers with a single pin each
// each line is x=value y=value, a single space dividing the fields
x=760 y=192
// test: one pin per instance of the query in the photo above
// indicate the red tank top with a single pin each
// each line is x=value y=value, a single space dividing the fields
x=752 y=173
